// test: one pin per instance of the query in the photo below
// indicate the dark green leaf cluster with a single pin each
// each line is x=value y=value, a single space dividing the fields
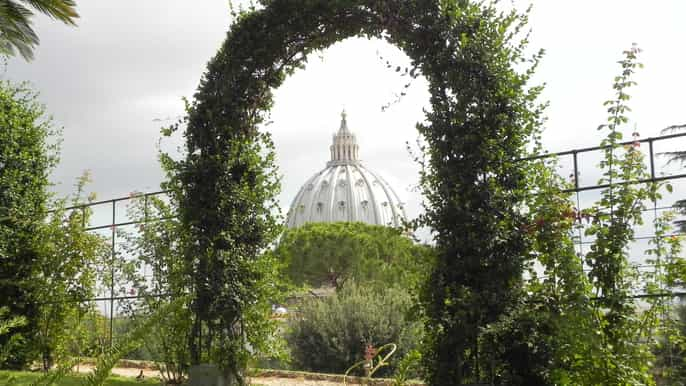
x=330 y=254
x=26 y=159
x=48 y=262
x=483 y=115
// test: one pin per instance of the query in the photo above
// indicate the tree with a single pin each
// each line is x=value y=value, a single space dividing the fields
x=578 y=328
x=26 y=158
x=615 y=216
x=155 y=247
x=65 y=274
x=484 y=113
x=16 y=33
x=332 y=253
x=48 y=260
x=548 y=333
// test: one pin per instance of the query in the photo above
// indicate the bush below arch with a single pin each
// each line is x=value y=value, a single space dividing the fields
x=482 y=117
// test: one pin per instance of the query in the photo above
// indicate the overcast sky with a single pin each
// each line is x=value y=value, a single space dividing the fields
x=127 y=65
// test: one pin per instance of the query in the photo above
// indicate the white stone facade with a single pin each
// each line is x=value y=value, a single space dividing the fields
x=346 y=190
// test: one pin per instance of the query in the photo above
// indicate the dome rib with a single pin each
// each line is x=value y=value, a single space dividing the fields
x=372 y=197
x=387 y=187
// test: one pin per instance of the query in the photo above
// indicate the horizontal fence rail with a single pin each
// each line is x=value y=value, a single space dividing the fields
x=113 y=224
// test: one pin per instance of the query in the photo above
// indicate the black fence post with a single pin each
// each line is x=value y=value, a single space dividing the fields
x=112 y=262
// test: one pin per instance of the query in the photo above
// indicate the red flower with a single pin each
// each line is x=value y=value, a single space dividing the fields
x=369 y=352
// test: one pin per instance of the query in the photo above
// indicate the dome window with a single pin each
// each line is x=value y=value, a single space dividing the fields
x=325 y=184
x=310 y=187
x=341 y=205
x=385 y=203
x=342 y=184
x=320 y=207
x=301 y=208
x=359 y=182
x=364 y=204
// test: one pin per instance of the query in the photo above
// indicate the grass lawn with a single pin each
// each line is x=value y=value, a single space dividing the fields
x=25 y=379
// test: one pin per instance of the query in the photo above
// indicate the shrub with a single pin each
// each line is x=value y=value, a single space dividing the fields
x=26 y=159
x=331 y=334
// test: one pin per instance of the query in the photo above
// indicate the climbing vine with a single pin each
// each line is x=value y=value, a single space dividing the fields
x=481 y=118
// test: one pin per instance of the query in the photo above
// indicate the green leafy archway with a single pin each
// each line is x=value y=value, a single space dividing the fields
x=481 y=118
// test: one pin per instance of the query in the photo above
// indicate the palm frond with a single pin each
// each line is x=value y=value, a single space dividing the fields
x=62 y=10
x=673 y=128
x=16 y=32
x=15 y=29
x=680 y=206
x=674 y=156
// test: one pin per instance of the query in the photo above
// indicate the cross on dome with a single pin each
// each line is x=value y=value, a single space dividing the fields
x=344 y=122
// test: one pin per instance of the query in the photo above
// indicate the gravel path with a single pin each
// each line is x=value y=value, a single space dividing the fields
x=266 y=381
x=270 y=381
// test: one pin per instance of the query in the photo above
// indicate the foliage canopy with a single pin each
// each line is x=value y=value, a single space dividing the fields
x=26 y=159
x=47 y=260
x=332 y=253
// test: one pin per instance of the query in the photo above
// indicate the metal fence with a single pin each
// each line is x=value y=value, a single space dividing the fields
x=579 y=165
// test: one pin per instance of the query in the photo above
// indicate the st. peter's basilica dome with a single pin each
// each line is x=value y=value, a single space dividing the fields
x=346 y=190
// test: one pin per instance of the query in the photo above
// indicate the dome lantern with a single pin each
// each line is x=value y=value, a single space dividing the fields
x=344 y=150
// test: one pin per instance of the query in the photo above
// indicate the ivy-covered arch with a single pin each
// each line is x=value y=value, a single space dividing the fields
x=481 y=118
